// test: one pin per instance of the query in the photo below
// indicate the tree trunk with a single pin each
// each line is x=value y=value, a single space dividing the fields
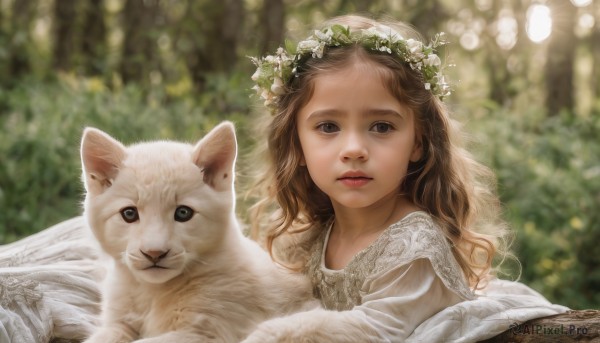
x=4 y=39
x=595 y=47
x=358 y=6
x=93 y=44
x=499 y=78
x=363 y=6
x=140 y=53
x=573 y=326
x=23 y=12
x=561 y=57
x=210 y=37
x=426 y=15
x=272 y=23
x=65 y=28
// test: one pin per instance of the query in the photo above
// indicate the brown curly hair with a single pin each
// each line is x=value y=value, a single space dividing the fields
x=447 y=182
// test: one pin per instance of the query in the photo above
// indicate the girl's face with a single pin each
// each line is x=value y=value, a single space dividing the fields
x=357 y=138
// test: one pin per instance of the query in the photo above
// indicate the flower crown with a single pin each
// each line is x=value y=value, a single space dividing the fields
x=273 y=72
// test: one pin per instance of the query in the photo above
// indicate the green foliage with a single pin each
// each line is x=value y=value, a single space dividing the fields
x=549 y=177
x=42 y=124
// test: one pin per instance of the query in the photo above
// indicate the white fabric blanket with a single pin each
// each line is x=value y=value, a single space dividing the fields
x=49 y=288
x=498 y=307
x=48 y=285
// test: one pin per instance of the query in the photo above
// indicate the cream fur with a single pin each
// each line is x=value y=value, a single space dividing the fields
x=213 y=284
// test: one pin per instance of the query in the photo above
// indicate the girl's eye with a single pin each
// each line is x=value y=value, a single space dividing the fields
x=130 y=214
x=183 y=213
x=328 y=128
x=382 y=127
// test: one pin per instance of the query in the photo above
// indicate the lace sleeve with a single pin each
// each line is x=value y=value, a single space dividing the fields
x=419 y=237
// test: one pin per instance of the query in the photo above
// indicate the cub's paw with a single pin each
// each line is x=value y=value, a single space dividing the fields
x=107 y=336
x=278 y=330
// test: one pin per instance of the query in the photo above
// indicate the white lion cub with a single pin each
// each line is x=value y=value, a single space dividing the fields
x=182 y=270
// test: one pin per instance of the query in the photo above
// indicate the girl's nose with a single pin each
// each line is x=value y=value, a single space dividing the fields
x=354 y=148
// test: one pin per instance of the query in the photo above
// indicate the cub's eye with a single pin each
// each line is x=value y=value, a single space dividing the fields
x=130 y=214
x=183 y=213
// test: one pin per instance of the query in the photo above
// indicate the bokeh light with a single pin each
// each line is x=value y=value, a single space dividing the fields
x=539 y=23
x=581 y=3
x=507 y=28
x=469 y=40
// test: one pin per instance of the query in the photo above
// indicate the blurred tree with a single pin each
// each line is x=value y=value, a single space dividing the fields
x=497 y=74
x=272 y=18
x=595 y=49
x=93 y=45
x=359 y=6
x=499 y=45
x=19 y=36
x=141 y=19
x=65 y=29
x=3 y=46
x=208 y=37
x=427 y=16
x=561 y=58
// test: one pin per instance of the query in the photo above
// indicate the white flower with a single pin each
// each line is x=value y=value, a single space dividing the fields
x=395 y=37
x=428 y=86
x=256 y=74
x=385 y=28
x=324 y=36
x=416 y=66
x=385 y=49
x=307 y=45
x=414 y=46
x=432 y=60
x=374 y=33
x=265 y=94
x=277 y=86
x=318 y=51
x=281 y=65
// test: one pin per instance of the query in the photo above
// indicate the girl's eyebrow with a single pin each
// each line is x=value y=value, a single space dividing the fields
x=324 y=113
x=373 y=112
x=384 y=112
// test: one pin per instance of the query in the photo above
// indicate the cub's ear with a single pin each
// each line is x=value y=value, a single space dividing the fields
x=101 y=158
x=215 y=155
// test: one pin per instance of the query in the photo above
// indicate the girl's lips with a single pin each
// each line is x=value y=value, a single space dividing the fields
x=354 y=174
x=354 y=179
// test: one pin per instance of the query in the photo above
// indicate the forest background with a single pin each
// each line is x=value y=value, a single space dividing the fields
x=526 y=81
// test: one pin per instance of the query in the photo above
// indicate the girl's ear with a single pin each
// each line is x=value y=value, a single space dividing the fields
x=417 y=152
x=302 y=161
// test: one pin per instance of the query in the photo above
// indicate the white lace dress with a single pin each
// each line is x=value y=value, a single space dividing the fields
x=408 y=286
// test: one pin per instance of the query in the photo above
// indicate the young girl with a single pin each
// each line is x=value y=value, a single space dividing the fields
x=376 y=200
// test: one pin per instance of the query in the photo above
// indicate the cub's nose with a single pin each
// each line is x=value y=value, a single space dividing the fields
x=154 y=256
